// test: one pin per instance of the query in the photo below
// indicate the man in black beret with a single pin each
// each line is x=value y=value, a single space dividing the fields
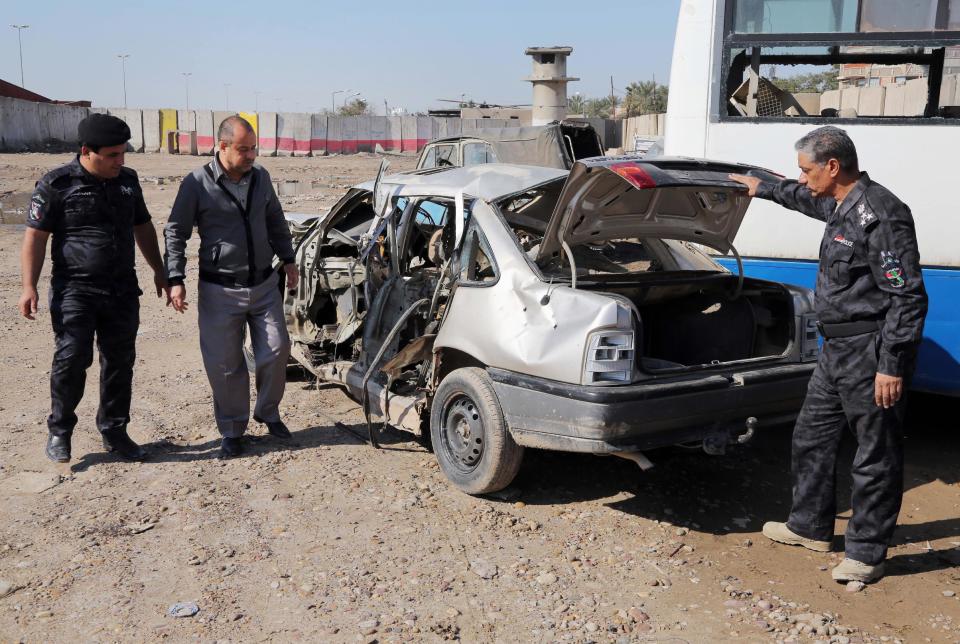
x=93 y=208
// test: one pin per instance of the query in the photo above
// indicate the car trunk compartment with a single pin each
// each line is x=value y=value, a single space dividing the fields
x=692 y=323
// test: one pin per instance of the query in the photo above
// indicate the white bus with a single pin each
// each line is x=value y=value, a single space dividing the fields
x=750 y=77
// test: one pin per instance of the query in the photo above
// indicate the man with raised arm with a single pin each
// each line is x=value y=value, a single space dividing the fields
x=871 y=304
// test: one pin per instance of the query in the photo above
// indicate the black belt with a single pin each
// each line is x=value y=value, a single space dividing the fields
x=235 y=282
x=848 y=329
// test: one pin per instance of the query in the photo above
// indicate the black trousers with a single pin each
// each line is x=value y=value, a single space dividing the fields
x=78 y=317
x=841 y=396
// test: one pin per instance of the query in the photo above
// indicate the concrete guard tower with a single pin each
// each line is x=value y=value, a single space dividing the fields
x=549 y=80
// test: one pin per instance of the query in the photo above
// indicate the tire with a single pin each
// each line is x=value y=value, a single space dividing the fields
x=469 y=433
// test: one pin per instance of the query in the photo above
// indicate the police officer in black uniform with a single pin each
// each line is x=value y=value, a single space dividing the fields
x=93 y=208
x=871 y=304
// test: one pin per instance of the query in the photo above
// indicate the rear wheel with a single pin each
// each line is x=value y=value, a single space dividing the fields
x=469 y=434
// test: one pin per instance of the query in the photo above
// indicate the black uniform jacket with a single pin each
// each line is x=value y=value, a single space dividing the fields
x=869 y=264
x=91 y=221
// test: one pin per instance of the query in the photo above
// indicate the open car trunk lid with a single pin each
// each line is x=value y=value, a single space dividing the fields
x=668 y=198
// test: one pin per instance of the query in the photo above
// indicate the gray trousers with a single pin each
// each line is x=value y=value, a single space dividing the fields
x=223 y=312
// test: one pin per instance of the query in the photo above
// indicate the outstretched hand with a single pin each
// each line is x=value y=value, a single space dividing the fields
x=752 y=183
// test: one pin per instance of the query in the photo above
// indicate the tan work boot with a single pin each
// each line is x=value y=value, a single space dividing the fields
x=780 y=533
x=853 y=570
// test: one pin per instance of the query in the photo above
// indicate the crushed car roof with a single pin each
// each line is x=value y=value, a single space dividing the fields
x=488 y=181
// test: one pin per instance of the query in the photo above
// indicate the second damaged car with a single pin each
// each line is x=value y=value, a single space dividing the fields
x=497 y=307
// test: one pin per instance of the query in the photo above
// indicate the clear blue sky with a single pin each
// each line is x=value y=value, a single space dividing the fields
x=409 y=53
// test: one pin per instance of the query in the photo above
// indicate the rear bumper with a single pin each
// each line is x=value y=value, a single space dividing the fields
x=577 y=418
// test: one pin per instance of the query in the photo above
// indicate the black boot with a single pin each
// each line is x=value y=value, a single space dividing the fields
x=278 y=429
x=58 y=448
x=122 y=445
x=275 y=428
x=231 y=446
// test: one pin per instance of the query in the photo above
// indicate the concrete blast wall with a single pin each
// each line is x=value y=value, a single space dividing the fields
x=134 y=120
x=871 y=101
x=363 y=134
x=186 y=132
x=28 y=125
x=348 y=135
x=395 y=133
x=168 y=124
x=318 y=134
x=25 y=125
x=293 y=134
x=408 y=133
x=915 y=101
x=206 y=131
x=267 y=134
x=378 y=132
x=151 y=130
x=334 y=136
x=830 y=100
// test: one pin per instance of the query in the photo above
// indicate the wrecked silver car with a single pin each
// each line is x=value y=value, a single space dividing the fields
x=555 y=145
x=496 y=307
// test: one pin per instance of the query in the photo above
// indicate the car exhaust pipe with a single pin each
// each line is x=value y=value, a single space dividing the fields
x=637 y=457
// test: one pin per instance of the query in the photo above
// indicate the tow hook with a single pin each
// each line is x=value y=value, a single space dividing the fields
x=715 y=443
x=751 y=428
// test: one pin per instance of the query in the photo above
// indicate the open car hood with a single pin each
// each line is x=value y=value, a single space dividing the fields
x=669 y=198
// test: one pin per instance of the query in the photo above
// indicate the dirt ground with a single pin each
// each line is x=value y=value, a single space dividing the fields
x=324 y=538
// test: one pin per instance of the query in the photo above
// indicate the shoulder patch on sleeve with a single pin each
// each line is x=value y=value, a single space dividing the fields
x=892 y=269
x=36 y=207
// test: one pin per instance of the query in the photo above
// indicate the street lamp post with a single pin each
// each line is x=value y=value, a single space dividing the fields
x=123 y=67
x=20 y=29
x=333 y=99
x=186 y=83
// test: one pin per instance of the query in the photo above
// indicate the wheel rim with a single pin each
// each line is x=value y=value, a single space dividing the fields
x=462 y=433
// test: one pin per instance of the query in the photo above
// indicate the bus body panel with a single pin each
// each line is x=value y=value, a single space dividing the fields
x=938 y=370
x=915 y=161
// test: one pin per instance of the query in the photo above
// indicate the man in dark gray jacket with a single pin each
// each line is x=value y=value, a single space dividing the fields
x=871 y=304
x=232 y=204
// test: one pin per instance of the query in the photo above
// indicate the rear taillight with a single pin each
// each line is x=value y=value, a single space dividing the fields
x=634 y=174
x=609 y=358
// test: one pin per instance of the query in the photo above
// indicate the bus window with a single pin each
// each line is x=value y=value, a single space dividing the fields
x=826 y=59
x=842 y=16
x=794 y=16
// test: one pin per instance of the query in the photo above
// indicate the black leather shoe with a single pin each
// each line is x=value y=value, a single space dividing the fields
x=58 y=448
x=231 y=446
x=123 y=446
x=278 y=429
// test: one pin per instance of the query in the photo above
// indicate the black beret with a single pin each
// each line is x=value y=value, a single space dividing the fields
x=103 y=130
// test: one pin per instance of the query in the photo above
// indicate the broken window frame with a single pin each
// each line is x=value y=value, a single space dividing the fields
x=753 y=44
x=475 y=242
